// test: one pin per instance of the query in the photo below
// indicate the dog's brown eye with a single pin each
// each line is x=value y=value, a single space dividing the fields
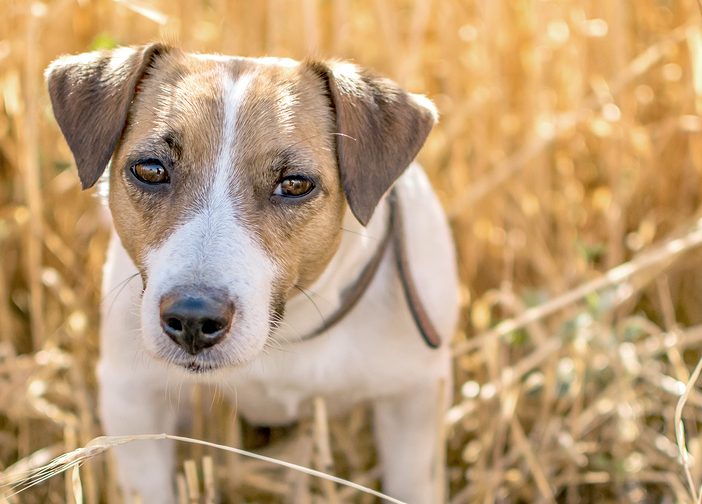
x=294 y=187
x=151 y=172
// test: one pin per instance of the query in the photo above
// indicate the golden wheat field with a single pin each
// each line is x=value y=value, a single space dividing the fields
x=569 y=159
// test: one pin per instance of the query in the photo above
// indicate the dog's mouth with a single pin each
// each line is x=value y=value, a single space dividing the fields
x=195 y=365
x=198 y=368
x=203 y=363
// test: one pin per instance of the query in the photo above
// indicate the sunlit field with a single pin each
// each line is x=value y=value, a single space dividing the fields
x=569 y=160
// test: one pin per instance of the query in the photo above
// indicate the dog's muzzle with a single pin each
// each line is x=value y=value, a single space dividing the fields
x=196 y=320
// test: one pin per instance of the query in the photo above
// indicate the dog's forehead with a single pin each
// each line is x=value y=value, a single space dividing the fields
x=187 y=79
x=274 y=100
x=266 y=61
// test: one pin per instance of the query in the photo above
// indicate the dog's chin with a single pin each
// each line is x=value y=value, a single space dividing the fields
x=195 y=367
x=221 y=357
x=201 y=364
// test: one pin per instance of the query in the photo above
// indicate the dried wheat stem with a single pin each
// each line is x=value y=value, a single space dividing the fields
x=32 y=180
x=324 y=454
x=685 y=458
x=665 y=253
x=208 y=476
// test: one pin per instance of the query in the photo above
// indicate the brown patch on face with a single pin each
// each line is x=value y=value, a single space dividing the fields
x=283 y=126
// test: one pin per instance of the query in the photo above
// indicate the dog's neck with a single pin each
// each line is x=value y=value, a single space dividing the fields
x=307 y=311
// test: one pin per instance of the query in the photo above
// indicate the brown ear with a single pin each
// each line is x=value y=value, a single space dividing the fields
x=380 y=129
x=90 y=94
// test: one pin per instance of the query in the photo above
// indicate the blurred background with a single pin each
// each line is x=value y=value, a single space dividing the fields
x=569 y=159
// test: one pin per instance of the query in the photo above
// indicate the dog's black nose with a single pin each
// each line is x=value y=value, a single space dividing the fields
x=196 y=321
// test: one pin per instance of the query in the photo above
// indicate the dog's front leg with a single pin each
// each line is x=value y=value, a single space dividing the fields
x=406 y=432
x=129 y=405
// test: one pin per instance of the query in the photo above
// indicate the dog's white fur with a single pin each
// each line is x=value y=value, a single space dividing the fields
x=370 y=355
x=365 y=357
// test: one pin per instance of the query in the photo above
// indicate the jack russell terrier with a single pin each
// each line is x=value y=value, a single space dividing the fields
x=287 y=248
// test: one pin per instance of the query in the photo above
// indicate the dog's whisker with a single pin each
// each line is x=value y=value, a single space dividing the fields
x=281 y=338
x=231 y=386
x=271 y=344
x=318 y=295
x=167 y=389
x=216 y=394
x=362 y=235
x=345 y=136
x=180 y=392
x=308 y=296
x=276 y=337
x=121 y=286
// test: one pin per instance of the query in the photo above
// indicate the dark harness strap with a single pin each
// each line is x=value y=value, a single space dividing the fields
x=354 y=292
x=419 y=313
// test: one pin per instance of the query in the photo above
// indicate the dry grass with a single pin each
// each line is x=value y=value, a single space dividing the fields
x=570 y=144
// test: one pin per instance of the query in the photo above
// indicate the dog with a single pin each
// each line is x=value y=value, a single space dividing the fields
x=288 y=248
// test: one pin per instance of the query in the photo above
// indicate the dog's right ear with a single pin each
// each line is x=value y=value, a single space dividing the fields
x=90 y=94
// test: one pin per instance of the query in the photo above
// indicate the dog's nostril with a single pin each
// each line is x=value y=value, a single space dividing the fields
x=174 y=324
x=211 y=326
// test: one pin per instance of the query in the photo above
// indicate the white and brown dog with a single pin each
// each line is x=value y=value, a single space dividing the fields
x=253 y=199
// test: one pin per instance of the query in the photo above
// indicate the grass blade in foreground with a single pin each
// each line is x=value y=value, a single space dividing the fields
x=103 y=443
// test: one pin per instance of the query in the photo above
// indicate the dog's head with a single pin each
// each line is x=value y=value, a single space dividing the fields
x=229 y=179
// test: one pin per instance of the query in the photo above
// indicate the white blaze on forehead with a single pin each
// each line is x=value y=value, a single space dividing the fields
x=233 y=95
x=214 y=249
x=285 y=101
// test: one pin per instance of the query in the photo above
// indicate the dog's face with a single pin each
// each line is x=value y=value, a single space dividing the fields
x=229 y=180
x=247 y=203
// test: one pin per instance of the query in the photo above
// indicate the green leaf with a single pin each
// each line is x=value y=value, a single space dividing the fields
x=103 y=41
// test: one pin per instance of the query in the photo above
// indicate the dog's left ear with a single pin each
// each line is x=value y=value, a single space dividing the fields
x=379 y=130
x=90 y=94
